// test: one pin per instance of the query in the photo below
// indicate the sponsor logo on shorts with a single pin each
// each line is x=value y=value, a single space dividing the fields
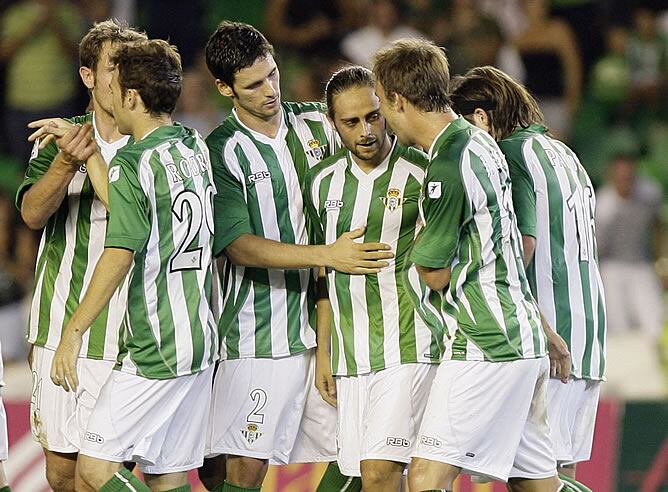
x=398 y=442
x=470 y=455
x=431 y=441
x=92 y=437
x=251 y=433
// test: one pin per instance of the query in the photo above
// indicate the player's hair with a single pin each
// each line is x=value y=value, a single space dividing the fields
x=509 y=104
x=232 y=47
x=111 y=30
x=417 y=70
x=153 y=68
x=344 y=79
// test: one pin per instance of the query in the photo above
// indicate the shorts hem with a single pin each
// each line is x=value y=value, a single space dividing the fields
x=57 y=449
x=314 y=459
x=572 y=461
x=348 y=472
x=153 y=470
x=466 y=469
x=281 y=458
x=536 y=476
x=105 y=457
x=397 y=459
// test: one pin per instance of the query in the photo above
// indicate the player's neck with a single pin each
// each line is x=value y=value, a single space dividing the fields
x=106 y=126
x=268 y=127
x=427 y=126
x=146 y=125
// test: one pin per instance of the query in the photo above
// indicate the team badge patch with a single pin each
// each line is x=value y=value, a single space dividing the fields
x=393 y=200
x=434 y=189
x=316 y=150
x=251 y=434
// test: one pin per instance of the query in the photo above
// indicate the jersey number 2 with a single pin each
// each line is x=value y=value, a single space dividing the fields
x=188 y=209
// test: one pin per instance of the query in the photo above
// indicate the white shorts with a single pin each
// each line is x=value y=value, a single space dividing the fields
x=490 y=419
x=572 y=410
x=4 y=444
x=258 y=408
x=58 y=418
x=379 y=414
x=159 y=424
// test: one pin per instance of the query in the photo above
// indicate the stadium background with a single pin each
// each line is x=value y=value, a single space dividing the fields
x=593 y=95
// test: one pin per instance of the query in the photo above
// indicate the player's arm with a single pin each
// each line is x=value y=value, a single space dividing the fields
x=524 y=203
x=97 y=172
x=44 y=197
x=324 y=381
x=560 y=356
x=110 y=271
x=443 y=211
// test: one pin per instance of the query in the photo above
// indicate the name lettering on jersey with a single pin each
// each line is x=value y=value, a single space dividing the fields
x=193 y=166
x=259 y=176
x=434 y=189
x=316 y=150
x=333 y=205
x=431 y=441
x=393 y=200
x=251 y=433
x=398 y=442
x=114 y=173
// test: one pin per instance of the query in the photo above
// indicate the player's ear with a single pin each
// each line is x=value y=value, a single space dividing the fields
x=132 y=98
x=224 y=89
x=482 y=116
x=87 y=77
x=399 y=102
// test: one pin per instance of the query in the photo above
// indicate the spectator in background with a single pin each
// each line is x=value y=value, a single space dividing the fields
x=610 y=75
x=551 y=59
x=647 y=58
x=474 y=39
x=38 y=42
x=385 y=24
x=630 y=234
x=195 y=108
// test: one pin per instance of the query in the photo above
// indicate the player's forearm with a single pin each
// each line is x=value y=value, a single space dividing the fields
x=111 y=269
x=254 y=251
x=529 y=248
x=323 y=318
x=45 y=196
x=436 y=278
x=97 y=172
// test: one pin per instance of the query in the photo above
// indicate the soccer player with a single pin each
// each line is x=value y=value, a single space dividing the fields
x=58 y=195
x=486 y=412
x=153 y=409
x=554 y=204
x=382 y=352
x=260 y=155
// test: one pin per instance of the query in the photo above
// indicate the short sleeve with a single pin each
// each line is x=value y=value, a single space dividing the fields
x=40 y=161
x=444 y=207
x=230 y=208
x=129 y=223
x=524 y=197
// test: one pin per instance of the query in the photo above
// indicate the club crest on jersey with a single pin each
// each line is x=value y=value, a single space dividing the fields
x=434 y=189
x=393 y=200
x=331 y=205
x=316 y=150
x=259 y=176
x=251 y=433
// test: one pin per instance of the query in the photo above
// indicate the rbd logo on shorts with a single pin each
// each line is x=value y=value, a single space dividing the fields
x=333 y=205
x=259 y=176
x=251 y=433
x=398 y=442
x=96 y=438
x=431 y=441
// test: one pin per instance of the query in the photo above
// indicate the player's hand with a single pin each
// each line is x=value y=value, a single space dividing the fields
x=348 y=256
x=64 y=365
x=48 y=129
x=560 y=357
x=77 y=145
x=324 y=381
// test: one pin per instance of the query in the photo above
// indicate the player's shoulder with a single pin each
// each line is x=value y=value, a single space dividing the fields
x=220 y=135
x=307 y=110
x=327 y=165
x=411 y=155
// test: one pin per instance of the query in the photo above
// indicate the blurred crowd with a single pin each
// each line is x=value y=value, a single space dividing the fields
x=599 y=69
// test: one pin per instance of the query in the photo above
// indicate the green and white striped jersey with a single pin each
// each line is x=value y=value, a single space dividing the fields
x=374 y=323
x=260 y=181
x=161 y=207
x=470 y=227
x=555 y=203
x=71 y=244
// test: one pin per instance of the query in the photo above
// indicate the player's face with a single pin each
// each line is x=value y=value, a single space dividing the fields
x=256 y=89
x=394 y=117
x=102 y=79
x=358 y=120
x=119 y=108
